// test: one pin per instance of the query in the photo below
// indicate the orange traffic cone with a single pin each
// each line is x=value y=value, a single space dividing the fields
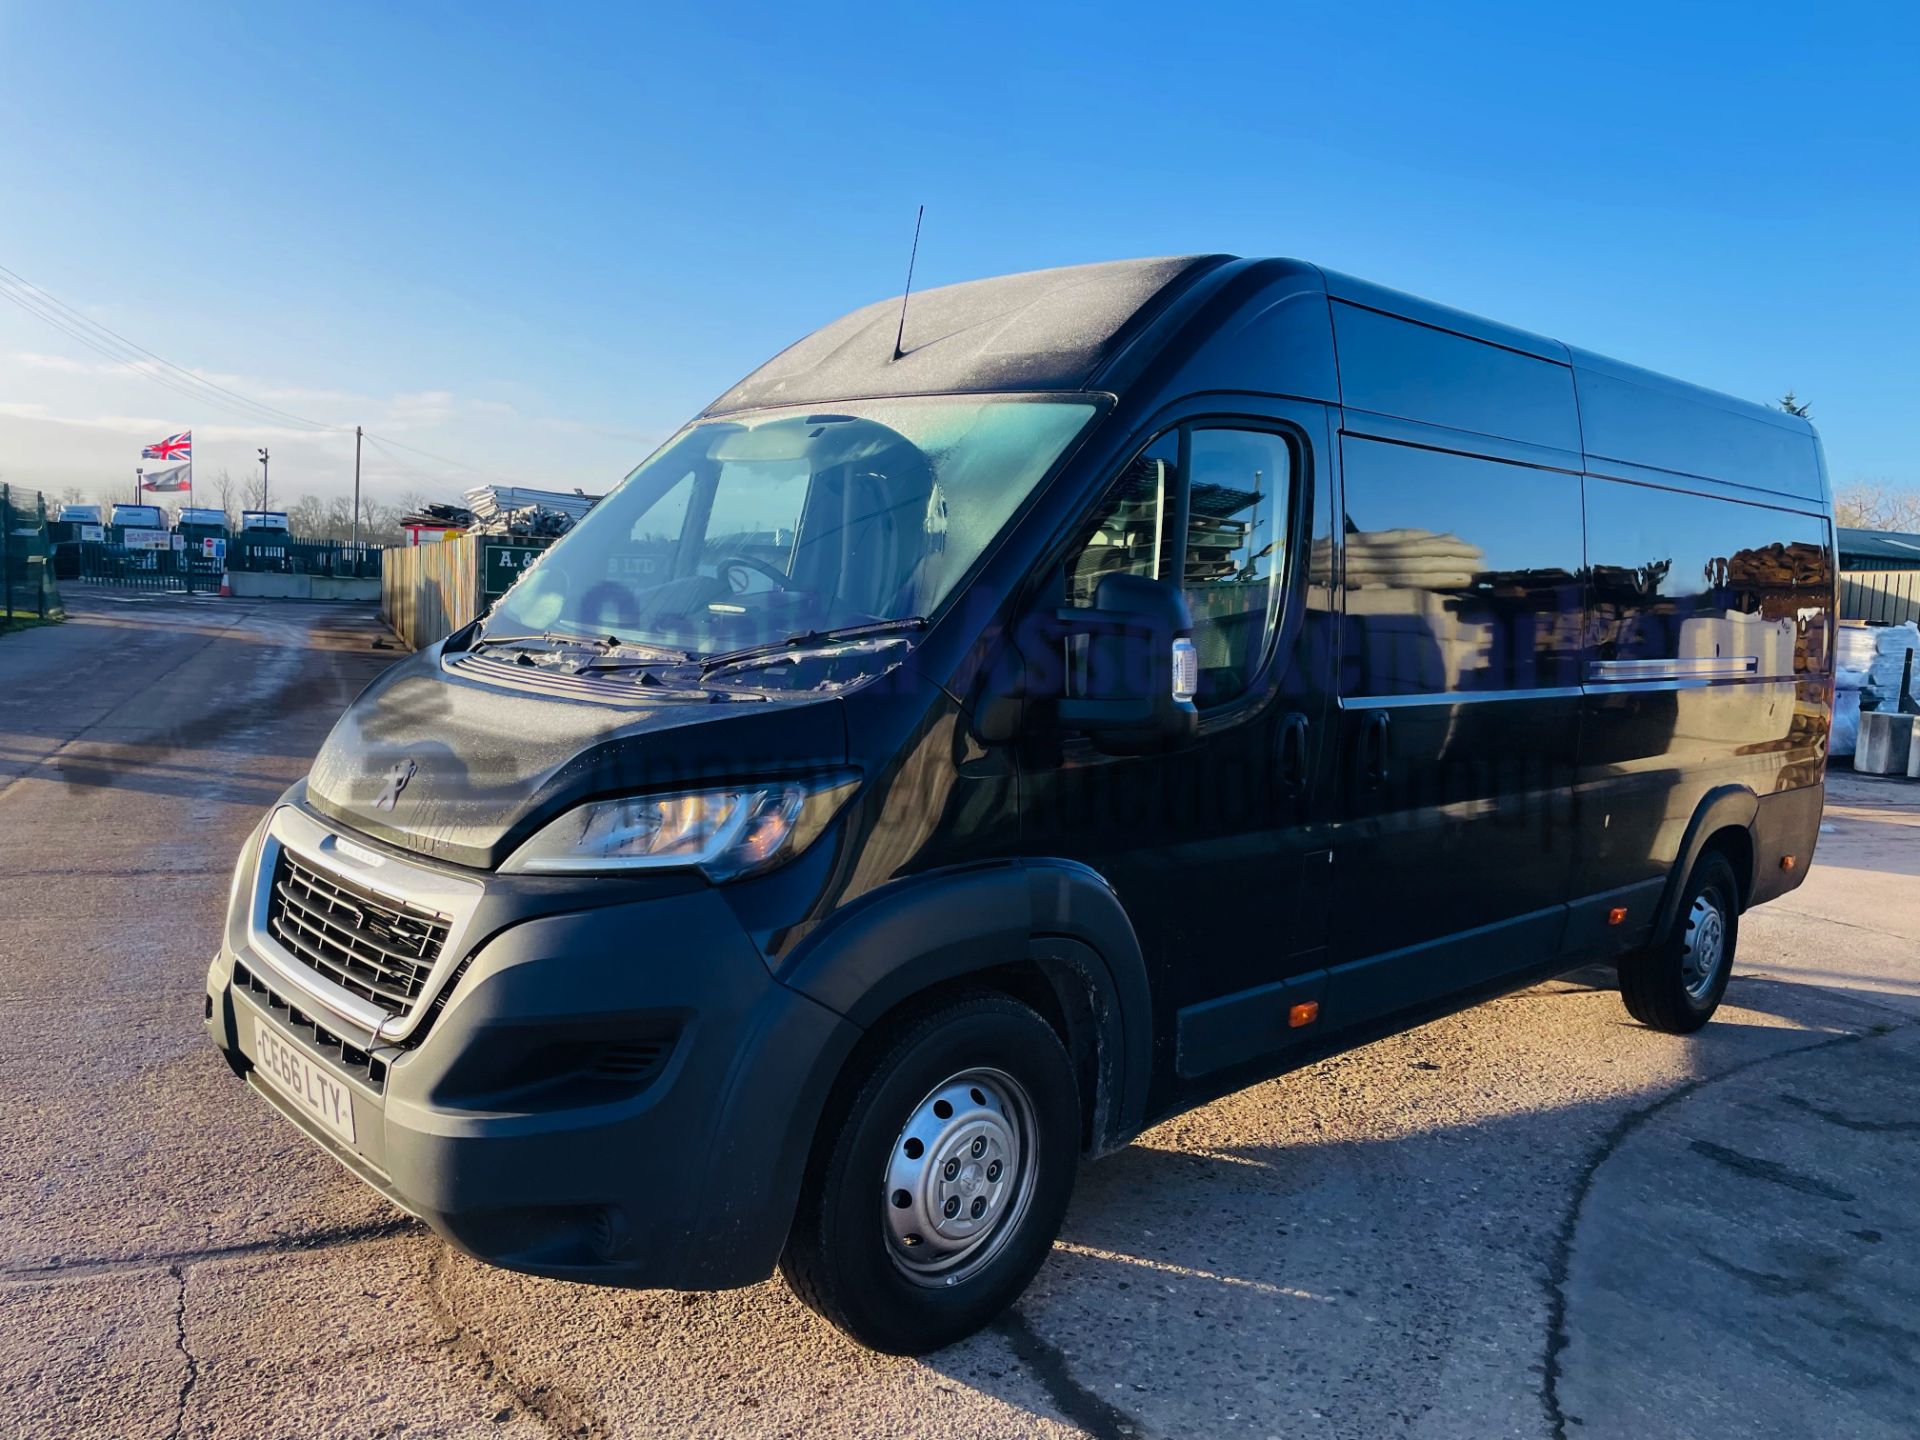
x=226 y=586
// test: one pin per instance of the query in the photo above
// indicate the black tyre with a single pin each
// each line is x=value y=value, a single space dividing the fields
x=940 y=1176
x=1675 y=984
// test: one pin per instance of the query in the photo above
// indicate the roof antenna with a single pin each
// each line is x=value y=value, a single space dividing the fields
x=900 y=334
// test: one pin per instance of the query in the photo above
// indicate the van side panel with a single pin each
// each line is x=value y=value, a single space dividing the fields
x=1710 y=627
x=1459 y=683
x=1392 y=366
x=1634 y=417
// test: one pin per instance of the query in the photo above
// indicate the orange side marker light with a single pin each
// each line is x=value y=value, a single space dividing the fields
x=1786 y=862
x=1617 y=915
x=1305 y=1013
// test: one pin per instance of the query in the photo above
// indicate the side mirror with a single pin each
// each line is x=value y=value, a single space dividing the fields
x=1136 y=670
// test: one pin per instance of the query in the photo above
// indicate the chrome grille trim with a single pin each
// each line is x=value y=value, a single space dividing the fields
x=336 y=927
x=385 y=973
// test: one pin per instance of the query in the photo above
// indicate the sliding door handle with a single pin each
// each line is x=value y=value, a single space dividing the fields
x=1291 y=753
x=1371 y=761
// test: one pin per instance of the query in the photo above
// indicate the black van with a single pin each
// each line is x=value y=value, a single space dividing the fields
x=967 y=743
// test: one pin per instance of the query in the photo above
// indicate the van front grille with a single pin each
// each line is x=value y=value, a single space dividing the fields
x=378 y=948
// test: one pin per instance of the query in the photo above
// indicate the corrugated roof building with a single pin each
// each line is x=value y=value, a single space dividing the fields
x=1877 y=549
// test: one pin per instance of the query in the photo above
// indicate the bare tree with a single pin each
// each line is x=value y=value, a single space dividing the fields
x=380 y=523
x=225 y=491
x=1877 y=505
x=307 y=517
x=339 y=521
x=1793 y=405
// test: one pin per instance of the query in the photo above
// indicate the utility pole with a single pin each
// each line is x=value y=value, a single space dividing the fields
x=263 y=478
x=356 y=492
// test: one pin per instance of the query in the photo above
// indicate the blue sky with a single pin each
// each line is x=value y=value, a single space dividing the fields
x=535 y=240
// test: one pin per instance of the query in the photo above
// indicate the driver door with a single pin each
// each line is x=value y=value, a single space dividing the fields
x=1215 y=848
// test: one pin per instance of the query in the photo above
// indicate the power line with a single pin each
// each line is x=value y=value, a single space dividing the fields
x=401 y=465
x=198 y=397
x=55 y=311
x=188 y=384
x=443 y=459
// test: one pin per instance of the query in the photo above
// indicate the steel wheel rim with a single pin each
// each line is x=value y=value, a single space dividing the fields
x=1704 y=949
x=957 y=1184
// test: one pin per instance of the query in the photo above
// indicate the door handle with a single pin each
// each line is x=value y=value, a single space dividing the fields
x=1371 y=764
x=1291 y=751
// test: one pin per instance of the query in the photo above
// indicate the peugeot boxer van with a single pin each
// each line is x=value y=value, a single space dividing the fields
x=989 y=729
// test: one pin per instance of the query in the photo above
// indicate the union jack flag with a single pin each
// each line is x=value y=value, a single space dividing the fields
x=174 y=447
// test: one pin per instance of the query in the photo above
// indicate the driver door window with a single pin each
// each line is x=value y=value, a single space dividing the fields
x=1235 y=487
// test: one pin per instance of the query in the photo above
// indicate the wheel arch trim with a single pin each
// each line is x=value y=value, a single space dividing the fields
x=1727 y=807
x=1059 y=916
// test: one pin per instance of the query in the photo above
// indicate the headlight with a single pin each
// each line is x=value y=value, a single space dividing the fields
x=724 y=833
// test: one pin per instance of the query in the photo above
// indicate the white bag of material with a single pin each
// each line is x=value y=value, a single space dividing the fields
x=1896 y=640
x=1846 y=678
x=1857 y=647
x=1846 y=723
x=1891 y=644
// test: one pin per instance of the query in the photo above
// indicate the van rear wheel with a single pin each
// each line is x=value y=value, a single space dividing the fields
x=1675 y=984
x=940 y=1178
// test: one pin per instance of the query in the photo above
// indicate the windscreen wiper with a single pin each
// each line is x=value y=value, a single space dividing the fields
x=525 y=647
x=813 y=637
x=605 y=644
x=545 y=637
x=655 y=655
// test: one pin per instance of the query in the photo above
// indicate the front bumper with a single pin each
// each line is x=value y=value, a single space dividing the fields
x=621 y=1094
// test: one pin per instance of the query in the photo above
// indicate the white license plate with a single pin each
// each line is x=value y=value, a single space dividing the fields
x=283 y=1066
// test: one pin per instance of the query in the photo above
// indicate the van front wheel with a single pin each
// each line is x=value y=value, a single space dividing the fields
x=941 y=1177
x=1675 y=984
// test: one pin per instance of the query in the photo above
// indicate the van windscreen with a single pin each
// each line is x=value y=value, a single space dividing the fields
x=748 y=529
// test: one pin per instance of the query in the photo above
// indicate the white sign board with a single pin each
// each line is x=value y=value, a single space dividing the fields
x=141 y=539
x=93 y=532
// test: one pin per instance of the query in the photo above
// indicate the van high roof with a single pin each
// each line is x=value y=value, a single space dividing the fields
x=1317 y=333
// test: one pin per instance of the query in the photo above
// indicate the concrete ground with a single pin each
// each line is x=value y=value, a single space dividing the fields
x=1532 y=1219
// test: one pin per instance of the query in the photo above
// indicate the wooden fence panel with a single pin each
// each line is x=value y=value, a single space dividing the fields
x=1885 y=597
x=429 y=591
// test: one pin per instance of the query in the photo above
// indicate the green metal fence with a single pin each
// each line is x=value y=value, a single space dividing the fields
x=137 y=567
x=284 y=555
x=27 y=589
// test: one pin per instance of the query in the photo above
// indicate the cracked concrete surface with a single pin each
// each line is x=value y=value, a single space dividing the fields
x=1783 y=1299
x=1531 y=1219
